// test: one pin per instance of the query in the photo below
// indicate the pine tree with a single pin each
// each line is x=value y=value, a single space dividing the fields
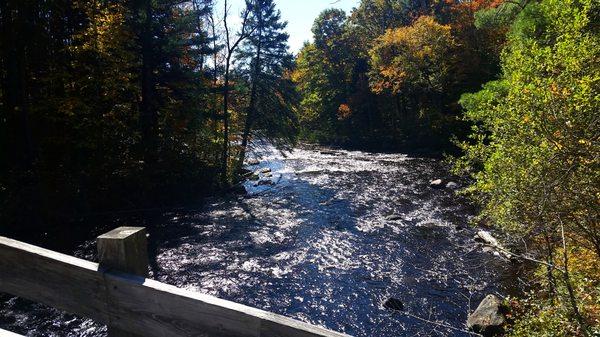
x=265 y=59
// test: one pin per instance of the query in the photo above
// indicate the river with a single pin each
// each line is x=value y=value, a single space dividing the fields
x=337 y=234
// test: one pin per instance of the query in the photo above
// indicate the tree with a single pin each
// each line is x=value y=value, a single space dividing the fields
x=480 y=44
x=321 y=94
x=372 y=18
x=534 y=149
x=265 y=56
x=433 y=62
x=414 y=61
x=99 y=101
x=148 y=110
x=231 y=46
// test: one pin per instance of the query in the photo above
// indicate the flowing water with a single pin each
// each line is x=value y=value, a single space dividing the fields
x=337 y=234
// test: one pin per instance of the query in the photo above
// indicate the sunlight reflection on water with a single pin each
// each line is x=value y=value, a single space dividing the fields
x=338 y=233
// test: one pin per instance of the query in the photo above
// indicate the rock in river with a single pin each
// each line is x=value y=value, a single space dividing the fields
x=452 y=185
x=265 y=170
x=393 y=217
x=266 y=182
x=253 y=162
x=245 y=173
x=488 y=318
x=438 y=183
x=486 y=237
x=393 y=304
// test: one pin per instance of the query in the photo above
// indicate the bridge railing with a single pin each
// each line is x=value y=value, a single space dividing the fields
x=116 y=292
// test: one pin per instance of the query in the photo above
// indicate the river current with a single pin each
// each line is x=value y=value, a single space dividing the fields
x=332 y=236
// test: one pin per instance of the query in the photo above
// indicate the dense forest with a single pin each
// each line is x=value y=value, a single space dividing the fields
x=128 y=104
x=112 y=105
x=392 y=72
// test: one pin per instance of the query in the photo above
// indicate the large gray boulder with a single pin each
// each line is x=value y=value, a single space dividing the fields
x=486 y=237
x=488 y=319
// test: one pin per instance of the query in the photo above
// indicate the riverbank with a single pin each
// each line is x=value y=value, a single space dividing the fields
x=334 y=236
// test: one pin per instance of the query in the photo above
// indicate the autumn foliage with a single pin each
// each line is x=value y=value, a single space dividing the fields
x=416 y=56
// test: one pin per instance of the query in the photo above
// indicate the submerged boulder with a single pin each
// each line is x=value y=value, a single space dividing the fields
x=266 y=182
x=488 y=318
x=393 y=304
x=452 y=185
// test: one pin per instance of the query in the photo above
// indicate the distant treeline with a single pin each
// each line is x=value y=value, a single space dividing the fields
x=390 y=74
x=124 y=104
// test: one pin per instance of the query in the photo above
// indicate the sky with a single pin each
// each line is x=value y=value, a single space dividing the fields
x=300 y=15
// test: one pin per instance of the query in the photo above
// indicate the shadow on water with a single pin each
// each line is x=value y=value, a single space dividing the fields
x=338 y=234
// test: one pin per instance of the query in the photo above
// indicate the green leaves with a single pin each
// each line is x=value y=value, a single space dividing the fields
x=535 y=147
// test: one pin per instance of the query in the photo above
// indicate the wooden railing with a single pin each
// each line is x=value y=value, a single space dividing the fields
x=5 y=333
x=131 y=305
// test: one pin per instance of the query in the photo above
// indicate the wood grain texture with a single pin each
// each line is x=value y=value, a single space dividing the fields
x=146 y=304
x=124 y=249
x=5 y=333
x=55 y=279
x=134 y=304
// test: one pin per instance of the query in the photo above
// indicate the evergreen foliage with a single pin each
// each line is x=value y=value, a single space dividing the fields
x=114 y=105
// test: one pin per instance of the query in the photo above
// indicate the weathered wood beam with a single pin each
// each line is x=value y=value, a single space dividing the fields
x=124 y=249
x=134 y=304
x=52 y=278
x=5 y=333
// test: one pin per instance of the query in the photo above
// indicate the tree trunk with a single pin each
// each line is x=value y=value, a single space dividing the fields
x=225 y=151
x=214 y=107
x=148 y=113
x=250 y=115
x=549 y=266
x=571 y=292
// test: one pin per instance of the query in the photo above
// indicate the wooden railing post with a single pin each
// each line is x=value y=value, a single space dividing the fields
x=124 y=249
x=132 y=303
